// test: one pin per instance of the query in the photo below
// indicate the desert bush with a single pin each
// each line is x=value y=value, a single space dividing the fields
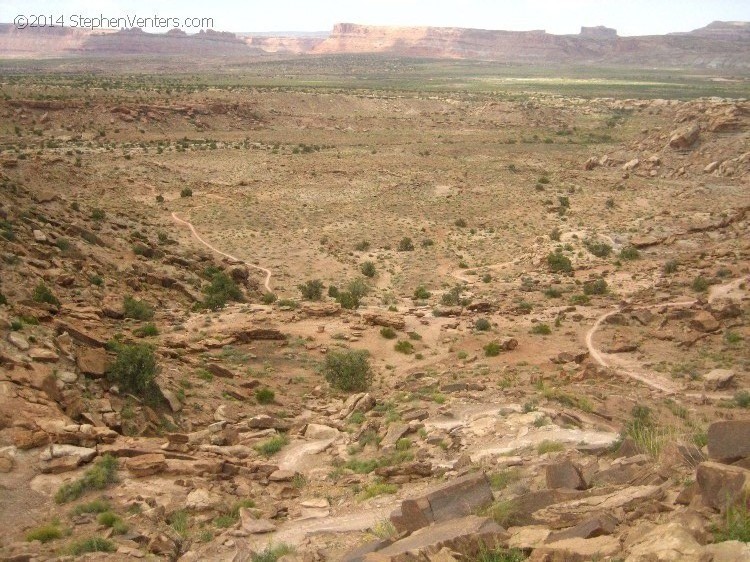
x=599 y=249
x=541 y=329
x=547 y=446
x=268 y=298
x=265 y=396
x=149 y=330
x=404 y=346
x=136 y=309
x=42 y=293
x=595 y=287
x=98 y=215
x=221 y=290
x=348 y=370
x=492 y=349
x=559 y=263
x=186 y=192
x=45 y=533
x=134 y=370
x=92 y=544
x=272 y=446
x=670 y=267
x=555 y=234
x=421 y=293
x=460 y=223
x=368 y=269
x=482 y=324
x=700 y=284
x=630 y=253
x=405 y=245
x=98 y=477
x=388 y=333
x=312 y=290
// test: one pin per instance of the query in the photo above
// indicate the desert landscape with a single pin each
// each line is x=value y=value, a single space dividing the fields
x=317 y=300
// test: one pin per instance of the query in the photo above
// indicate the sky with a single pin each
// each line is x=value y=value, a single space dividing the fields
x=629 y=17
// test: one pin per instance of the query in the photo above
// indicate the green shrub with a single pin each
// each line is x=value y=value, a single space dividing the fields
x=42 y=293
x=45 y=533
x=333 y=291
x=630 y=253
x=186 y=192
x=388 y=333
x=552 y=293
x=580 y=300
x=404 y=346
x=351 y=298
x=670 y=267
x=452 y=297
x=548 y=446
x=95 y=506
x=486 y=278
x=700 y=284
x=362 y=246
x=367 y=269
x=272 y=446
x=289 y=303
x=492 y=349
x=541 y=329
x=147 y=331
x=92 y=544
x=376 y=489
x=312 y=290
x=134 y=370
x=421 y=293
x=221 y=290
x=558 y=263
x=98 y=214
x=735 y=526
x=265 y=396
x=595 y=287
x=3 y=299
x=96 y=280
x=348 y=370
x=98 y=477
x=160 y=199
x=268 y=298
x=501 y=480
x=113 y=521
x=405 y=245
x=500 y=555
x=742 y=399
x=555 y=234
x=599 y=249
x=272 y=553
x=460 y=223
x=138 y=310
x=427 y=242
x=482 y=324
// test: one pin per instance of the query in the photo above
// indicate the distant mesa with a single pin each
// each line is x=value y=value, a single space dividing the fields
x=717 y=45
x=599 y=32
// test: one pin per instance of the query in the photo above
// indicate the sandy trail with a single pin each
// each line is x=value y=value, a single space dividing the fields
x=653 y=380
x=266 y=282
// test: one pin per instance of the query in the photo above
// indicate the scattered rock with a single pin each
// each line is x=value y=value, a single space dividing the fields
x=718 y=379
x=684 y=137
x=722 y=485
x=146 y=465
x=729 y=441
x=564 y=475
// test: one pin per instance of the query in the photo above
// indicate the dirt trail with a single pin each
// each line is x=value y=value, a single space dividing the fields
x=653 y=380
x=267 y=281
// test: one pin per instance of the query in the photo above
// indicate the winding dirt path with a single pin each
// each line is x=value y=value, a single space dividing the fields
x=653 y=380
x=266 y=282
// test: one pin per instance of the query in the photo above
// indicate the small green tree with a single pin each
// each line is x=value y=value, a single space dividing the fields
x=348 y=370
x=221 y=290
x=42 y=293
x=368 y=269
x=559 y=263
x=134 y=370
x=312 y=290
x=405 y=245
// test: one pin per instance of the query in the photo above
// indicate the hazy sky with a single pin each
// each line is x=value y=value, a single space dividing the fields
x=630 y=17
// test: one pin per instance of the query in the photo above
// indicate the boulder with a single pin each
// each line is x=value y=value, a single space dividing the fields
x=684 y=137
x=667 y=543
x=603 y=524
x=385 y=319
x=92 y=361
x=361 y=402
x=729 y=551
x=317 y=431
x=573 y=512
x=146 y=465
x=729 y=441
x=564 y=475
x=469 y=534
x=718 y=379
x=580 y=550
x=722 y=486
x=704 y=322
x=19 y=341
x=83 y=454
x=253 y=526
x=43 y=355
x=201 y=499
x=454 y=499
